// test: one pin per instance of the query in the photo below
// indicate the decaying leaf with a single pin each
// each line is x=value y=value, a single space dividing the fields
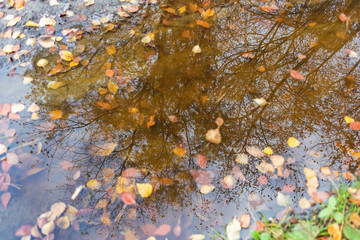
x=66 y=55
x=201 y=161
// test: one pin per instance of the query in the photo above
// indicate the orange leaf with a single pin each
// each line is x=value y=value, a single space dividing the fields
x=128 y=198
x=133 y=9
x=203 y=23
x=58 y=68
x=259 y=226
x=295 y=74
x=110 y=73
x=185 y=34
x=110 y=49
x=55 y=114
x=355 y=125
x=334 y=230
x=179 y=151
x=18 y=4
x=104 y=105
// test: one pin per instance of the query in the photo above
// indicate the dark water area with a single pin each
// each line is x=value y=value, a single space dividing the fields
x=148 y=105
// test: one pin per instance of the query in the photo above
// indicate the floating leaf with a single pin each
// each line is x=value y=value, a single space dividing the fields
x=213 y=135
x=31 y=24
x=255 y=152
x=202 y=177
x=34 y=171
x=132 y=173
x=133 y=9
x=277 y=160
x=66 y=55
x=55 y=85
x=293 y=142
x=110 y=49
x=196 y=49
x=334 y=231
x=242 y=158
x=228 y=182
x=262 y=180
x=5 y=199
x=179 y=151
x=128 y=198
x=197 y=237
x=205 y=189
x=104 y=149
x=55 y=114
x=287 y=188
x=76 y=192
x=48 y=228
x=282 y=200
x=24 y=230
x=355 y=125
x=144 y=189
x=201 y=161
x=297 y=75
x=105 y=218
x=109 y=174
x=304 y=203
x=162 y=230
x=203 y=23
x=113 y=87
x=245 y=220
x=233 y=229
x=326 y=171
x=268 y=151
x=265 y=167
x=93 y=184
x=63 y=222
x=260 y=101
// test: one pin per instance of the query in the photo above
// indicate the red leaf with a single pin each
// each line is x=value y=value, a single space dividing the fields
x=201 y=161
x=355 y=125
x=5 y=109
x=132 y=173
x=24 y=230
x=295 y=74
x=288 y=188
x=162 y=230
x=202 y=177
x=128 y=198
x=320 y=197
x=149 y=229
x=263 y=180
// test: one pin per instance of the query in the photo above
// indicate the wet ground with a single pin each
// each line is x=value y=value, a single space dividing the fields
x=137 y=99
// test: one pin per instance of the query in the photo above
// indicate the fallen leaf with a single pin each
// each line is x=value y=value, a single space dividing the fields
x=66 y=55
x=326 y=171
x=162 y=230
x=63 y=222
x=355 y=125
x=268 y=151
x=233 y=229
x=202 y=177
x=203 y=23
x=262 y=180
x=58 y=208
x=128 y=198
x=13 y=21
x=282 y=200
x=104 y=149
x=76 y=192
x=31 y=24
x=93 y=184
x=24 y=230
x=334 y=230
x=205 y=189
x=297 y=75
x=287 y=188
x=113 y=87
x=197 y=237
x=55 y=114
x=179 y=151
x=255 y=152
x=110 y=49
x=293 y=142
x=228 y=182
x=19 y=4
x=245 y=220
x=5 y=199
x=133 y=9
x=213 y=136
x=201 y=161
x=242 y=158
x=108 y=174
x=196 y=49
x=304 y=203
x=144 y=189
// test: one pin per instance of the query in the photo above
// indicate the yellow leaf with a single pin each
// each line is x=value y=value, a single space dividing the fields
x=31 y=24
x=334 y=230
x=101 y=204
x=293 y=142
x=55 y=85
x=104 y=149
x=102 y=90
x=110 y=49
x=73 y=64
x=193 y=7
x=55 y=114
x=348 y=119
x=109 y=174
x=113 y=87
x=133 y=110
x=268 y=151
x=66 y=55
x=144 y=189
x=180 y=151
x=93 y=184
x=182 y=9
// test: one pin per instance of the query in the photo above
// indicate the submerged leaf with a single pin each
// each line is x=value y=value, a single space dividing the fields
x=213 y=135
x=104 y=149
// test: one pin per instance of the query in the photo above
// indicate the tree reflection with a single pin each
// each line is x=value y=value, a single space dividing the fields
x=246 y=54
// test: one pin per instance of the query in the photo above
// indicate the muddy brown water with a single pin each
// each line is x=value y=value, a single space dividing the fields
x=164 y=77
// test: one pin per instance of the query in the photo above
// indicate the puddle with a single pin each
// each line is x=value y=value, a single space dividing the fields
x=155 y=102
